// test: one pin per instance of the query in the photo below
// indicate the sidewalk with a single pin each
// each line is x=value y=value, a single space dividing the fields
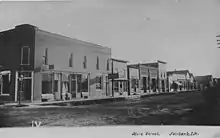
x=75 y=102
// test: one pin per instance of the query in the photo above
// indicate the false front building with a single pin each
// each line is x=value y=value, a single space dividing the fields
x=53 y=67
x=147 y=77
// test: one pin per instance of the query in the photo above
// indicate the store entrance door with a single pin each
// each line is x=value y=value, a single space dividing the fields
x=25 y=91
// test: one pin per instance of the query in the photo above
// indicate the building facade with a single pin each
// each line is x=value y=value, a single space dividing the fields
x=143 y=78
x=54 y=67
x=203 y=81
x=183 y=80
x=120 y=86
x=161 y=80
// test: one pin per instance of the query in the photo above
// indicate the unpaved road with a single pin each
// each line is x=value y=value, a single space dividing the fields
x=156 y=110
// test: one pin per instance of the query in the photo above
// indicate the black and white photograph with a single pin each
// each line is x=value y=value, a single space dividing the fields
x=95 y=63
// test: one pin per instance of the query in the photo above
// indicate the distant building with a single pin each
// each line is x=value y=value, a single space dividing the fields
x=143 y=78
x=203 y=81
x=183 y=78
x=161 y=75
x=54 y=67
x=148 y=77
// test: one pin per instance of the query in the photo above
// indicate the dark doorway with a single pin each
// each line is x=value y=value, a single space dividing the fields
x=163 y=85
x=154 y=85
x=27 y=89
x=73 y=86
x=145 y=84
x=6 y=84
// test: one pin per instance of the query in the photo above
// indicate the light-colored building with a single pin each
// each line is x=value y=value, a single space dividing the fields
x=143 y=78
x=121 y=83
x=182 y=78
x=161 y=75
x=56 y=67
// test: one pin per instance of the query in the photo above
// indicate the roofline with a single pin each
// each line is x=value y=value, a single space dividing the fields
x=143 y=64
x=119 y=60
x=159 y=61
x=59 y=35
x=74 y=39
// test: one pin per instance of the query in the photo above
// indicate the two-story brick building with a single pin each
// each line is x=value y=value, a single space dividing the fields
x=54 y=67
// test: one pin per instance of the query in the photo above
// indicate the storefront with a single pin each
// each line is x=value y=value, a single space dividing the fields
x=5 y=79
x=64 y=85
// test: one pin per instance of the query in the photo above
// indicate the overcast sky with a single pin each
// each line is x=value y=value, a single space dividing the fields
x=180 y=32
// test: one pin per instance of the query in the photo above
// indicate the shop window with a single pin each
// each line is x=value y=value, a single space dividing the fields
x=97 y=63
x=55 y=85
x=46 y=83
x=85 y=62
x=5 y=82
x=25 y=55
x=99 y=82
x=79 y=83
x=125 y=86
x=85 y=83
x=107 y=64
x=71 y=60
x=116 y=86
x=26 y=74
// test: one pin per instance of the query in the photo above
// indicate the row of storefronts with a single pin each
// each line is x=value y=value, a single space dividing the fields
x=39 y=66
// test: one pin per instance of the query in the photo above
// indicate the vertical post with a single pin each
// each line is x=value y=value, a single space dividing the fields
x=139 y=78
x=112 y=80
x=128 y=77
x=16 y=86
x=88 y=77
x=61 y=86
x=32 y=87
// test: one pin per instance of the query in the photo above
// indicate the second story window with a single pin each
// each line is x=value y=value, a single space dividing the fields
x=85 y=62
x=97 y=63
x=25 y=55
x=46 y=56
x=107 y=64
x=71 y=60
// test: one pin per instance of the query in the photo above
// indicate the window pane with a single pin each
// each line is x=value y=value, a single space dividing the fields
x=26 y=74
x=5 y=84
x=108 y=64
x=99 y=82
x=116 y=86
x=71 y=60
x=79 y=84
x=55 y=85
x=46 y=56
x=97 y=64
x=85 y=83
x=25 y=55
x=85 y=62
x=46 y=84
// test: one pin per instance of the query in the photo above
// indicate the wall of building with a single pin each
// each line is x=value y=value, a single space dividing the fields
x=11 y=42
x=59 y=50
x=121 y=68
